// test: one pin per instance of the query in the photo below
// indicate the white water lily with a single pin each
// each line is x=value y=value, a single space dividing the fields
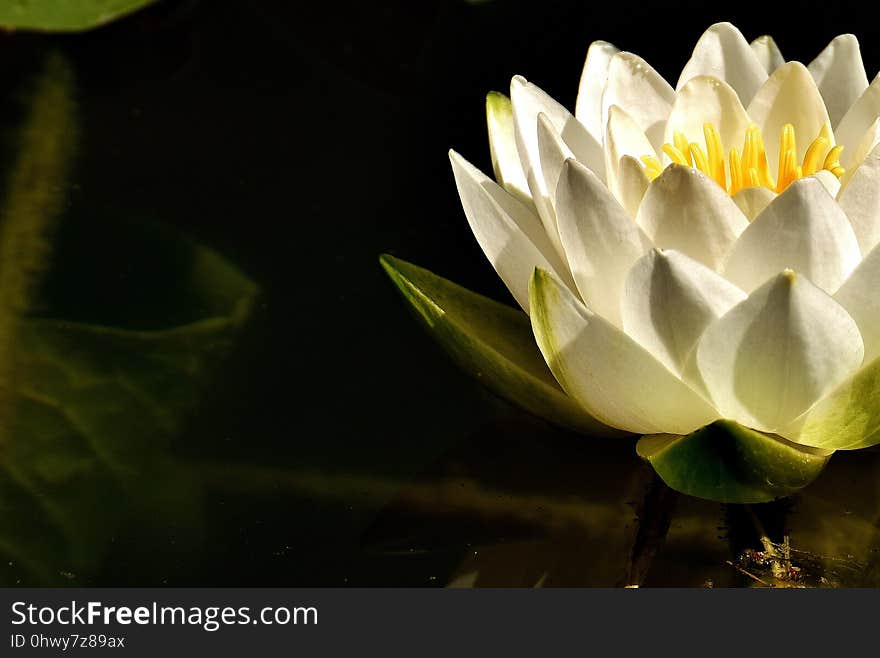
x=701 y=252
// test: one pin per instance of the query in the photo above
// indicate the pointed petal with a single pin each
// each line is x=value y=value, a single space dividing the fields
x=860 y=200
x=502 y=146
x=858 y=295
x=588 y=108
x=631 y=185
x=789 y=96
x=869 y=141
x=840 y=75
x=510 y=235
x=600 y=240
x=803 y=229
x=685 y=210
x=669 y=299
x=553 y=153
x=722 y=52
x=768 y=53
x=607 y=372
x=858 y=119
x=623 y=137
x=704 y=99
x=528 y=102
x=491 y=342
x=634 y=86
x=752 y=200
x=773 y=355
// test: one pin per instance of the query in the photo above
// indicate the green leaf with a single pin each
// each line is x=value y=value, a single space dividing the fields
x=65 y=15
x=490 y=341
x=729 y=463
x=849 y=417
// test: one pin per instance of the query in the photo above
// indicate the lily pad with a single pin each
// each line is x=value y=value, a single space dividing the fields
x=491 y=342
x=849 y=417
x=729 y=463
x=65 y=15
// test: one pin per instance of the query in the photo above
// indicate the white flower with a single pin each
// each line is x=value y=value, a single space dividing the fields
x=701 y=252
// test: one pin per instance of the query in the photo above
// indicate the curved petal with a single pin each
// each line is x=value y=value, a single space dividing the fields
x=722 y=52
x=790 y=96
x=704 y=99
x=685 y=210
x=491 y=342
x=768 y=53
x=863 y=149
x=528 y=102
x=502 y=146
x=588 y=108
x=840 y=75
x=669 y=299
x=553 y=153
x=623 y=137
x=606 y=371
x=634 y=86
x=858 y=295
x=860 y=200
x=600 y=240
x=752 y=200
x=803 y=229
x=773 y=355
x=829 y=181
x=509 y=234
x=858 y=119
x=631 y=185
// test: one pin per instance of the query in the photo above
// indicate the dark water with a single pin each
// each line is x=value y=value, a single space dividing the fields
x=209 y=381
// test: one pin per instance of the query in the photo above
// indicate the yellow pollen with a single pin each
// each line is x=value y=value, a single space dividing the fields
x=749 y=168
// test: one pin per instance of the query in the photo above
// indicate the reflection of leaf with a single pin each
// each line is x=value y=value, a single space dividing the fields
x=64 y=15
x=88 y=410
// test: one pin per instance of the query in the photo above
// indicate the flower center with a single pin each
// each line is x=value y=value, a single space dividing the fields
x=749 y=168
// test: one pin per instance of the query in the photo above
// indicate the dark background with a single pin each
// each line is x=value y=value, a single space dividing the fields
x=301 y=140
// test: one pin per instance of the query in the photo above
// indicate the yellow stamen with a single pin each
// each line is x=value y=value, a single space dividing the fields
x=716 y=154
x=676 y=155
x=681 y=143
x=736 y=172
x=749 y=168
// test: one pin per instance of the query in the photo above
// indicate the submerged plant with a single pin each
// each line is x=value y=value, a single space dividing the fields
x=697 y=264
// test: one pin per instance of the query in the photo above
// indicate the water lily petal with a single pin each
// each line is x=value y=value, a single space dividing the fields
x=768 y=53
x=803 y=229
x=722 y=52
x=669 y=299
x=863 y=149
x=704 y=99
x=840 y=75
x=773 y=355
x=502 y=146
x=553 y=153
x=606 y=371
x=631 y=184
x=634 y=86
x=491 y=342
x=623 y=137
x=860 y=200
x=599 y=238
x=858 y=295
x=829 y=181
x=509 y=233
x=685 y=210
x=752 y=200
x=858 y=119
x=528 y=102
x=790 y=96
x=588 y=108
x=729 y=463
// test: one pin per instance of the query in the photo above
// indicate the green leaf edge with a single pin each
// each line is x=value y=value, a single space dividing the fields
x=43 y=16
x=741 y=465
x=526 y=381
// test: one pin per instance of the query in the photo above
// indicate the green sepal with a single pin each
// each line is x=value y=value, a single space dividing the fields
x=65 y=15
x=849 y=417
x=491 y=342
x=729 y=463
